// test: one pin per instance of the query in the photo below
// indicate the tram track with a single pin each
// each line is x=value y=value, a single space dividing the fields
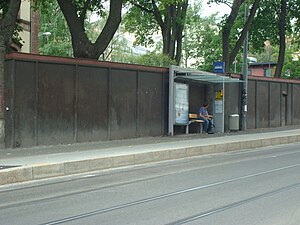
x=233 y=205
x=119 y=184
x=207 y=188
x=188 y=190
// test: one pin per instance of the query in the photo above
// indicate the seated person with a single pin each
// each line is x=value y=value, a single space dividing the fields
x=203 y=115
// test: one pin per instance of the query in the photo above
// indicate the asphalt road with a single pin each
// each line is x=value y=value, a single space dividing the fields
x=255 y=187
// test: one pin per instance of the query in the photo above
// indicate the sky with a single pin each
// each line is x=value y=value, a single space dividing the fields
x=207 y=10
x=214 y=8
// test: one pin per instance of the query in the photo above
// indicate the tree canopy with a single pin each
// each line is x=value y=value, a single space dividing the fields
x=75 y=13
x=166 y=17
x=186 y=36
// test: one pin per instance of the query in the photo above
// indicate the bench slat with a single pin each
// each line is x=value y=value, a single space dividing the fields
x=193 y=118
x=198 y=121
x=193 y=115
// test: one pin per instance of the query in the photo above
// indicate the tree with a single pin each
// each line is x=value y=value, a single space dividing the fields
x=282 y=18
x=55 y=37
x=8 y=17
x=264 y=27
x=202 y=38
x=152 y=59
x=282 y=31
x=229 y=54
x=75 y=12
x=164 y=16
x=291 y=69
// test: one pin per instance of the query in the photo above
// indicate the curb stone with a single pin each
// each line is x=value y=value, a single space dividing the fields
x=48 y=170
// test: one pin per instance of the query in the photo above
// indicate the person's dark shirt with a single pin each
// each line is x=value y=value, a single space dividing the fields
x=202 y=111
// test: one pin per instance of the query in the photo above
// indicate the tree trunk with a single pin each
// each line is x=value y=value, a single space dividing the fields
x=8 y=22
x=7 y=25
x=110 y=28
x=182 y=15
x=2 y=91
x=282 y=30
x=242 y=37
x=173 y=28
x=171 y=25
x=226 y=32
x=178 y=49
x=166 y=33
x=226 y=46
x=82 y=46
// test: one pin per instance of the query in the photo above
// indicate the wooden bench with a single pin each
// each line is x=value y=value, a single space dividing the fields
x=193 y=118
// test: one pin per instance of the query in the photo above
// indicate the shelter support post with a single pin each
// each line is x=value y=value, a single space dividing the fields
x=171 y=102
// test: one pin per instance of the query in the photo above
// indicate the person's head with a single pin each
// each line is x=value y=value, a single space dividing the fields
x=205 y=105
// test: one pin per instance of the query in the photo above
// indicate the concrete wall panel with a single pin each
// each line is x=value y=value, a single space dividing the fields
x=289 y=99
x=275 y=104
x=123 y=97
x=25 y=104
x=262 y=104
x=251 y=107
x=150 y=104
x=296 y=105
x=8 y=137
x=91 y=104
x=55 y=104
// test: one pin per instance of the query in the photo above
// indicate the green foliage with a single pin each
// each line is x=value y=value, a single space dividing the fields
x=16 y=35
x=202 y=43
x=268 y=55
x=82 y=6
x=93 y=29
x=291 y=68
x=58 y=43
x=141 y=23
x=92 y=6
x=152 y=59
x=118 y=50
x=264 y=27
x=146 y=18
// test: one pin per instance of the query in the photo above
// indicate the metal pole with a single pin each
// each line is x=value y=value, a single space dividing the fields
x=245 y=76
x=223 y=106
x=171 y=101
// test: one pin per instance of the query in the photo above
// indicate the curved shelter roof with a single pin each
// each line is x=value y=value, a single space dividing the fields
x=198 y=76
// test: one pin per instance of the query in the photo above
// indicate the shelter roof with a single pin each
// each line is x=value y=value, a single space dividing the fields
x=198 y=76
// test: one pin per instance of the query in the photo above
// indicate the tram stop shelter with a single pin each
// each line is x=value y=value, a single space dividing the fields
x=189 y=89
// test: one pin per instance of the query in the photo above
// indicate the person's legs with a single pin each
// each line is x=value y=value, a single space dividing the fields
x=209 y=125
x=206 y=123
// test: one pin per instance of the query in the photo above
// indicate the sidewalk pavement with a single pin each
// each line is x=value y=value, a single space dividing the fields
x=25 y=164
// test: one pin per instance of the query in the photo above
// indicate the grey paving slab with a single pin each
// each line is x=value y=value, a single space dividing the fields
x=51 y=161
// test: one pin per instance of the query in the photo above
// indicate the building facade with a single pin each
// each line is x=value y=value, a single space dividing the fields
x=28 y=21
x=262 y=69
